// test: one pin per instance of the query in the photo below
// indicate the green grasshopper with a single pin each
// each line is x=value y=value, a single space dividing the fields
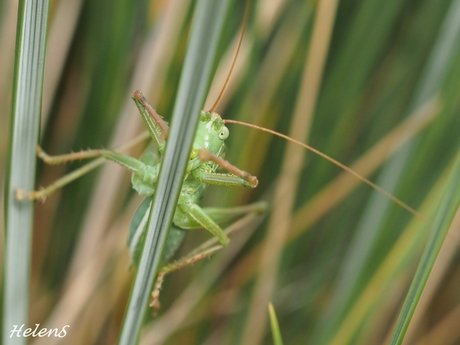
x=206 y=157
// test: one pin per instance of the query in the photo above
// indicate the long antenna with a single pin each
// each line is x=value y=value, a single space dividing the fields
x=343 y=166
x=243 y=29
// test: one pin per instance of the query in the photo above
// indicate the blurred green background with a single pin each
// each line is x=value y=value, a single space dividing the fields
x=334 y=256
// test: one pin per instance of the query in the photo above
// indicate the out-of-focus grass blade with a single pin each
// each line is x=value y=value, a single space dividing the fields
x=25 y=121
x=431 y=81
x=277 y=340
x=447 y=209
x=193 y=86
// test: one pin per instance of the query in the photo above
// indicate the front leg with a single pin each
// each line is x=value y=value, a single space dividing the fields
x=222 y=179
x=155 y=124
x=237 y=177
x=195 y=212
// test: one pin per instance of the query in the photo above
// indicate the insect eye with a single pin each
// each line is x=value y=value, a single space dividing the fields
x=223 y=133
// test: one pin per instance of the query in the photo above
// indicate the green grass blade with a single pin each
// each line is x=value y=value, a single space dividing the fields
x=25 y=121
x=447 y=209
x=277 y=340
x=193 y=86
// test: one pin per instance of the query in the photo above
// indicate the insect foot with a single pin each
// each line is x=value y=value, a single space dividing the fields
x=22 y=195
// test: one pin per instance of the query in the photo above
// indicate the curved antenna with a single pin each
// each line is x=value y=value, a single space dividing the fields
x=243 y=29
x=336 y=162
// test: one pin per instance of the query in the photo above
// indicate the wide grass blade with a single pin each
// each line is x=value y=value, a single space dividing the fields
x=25 y=121
x=193 y=86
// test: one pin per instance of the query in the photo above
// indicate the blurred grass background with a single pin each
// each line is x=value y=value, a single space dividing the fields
x=337 y=268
